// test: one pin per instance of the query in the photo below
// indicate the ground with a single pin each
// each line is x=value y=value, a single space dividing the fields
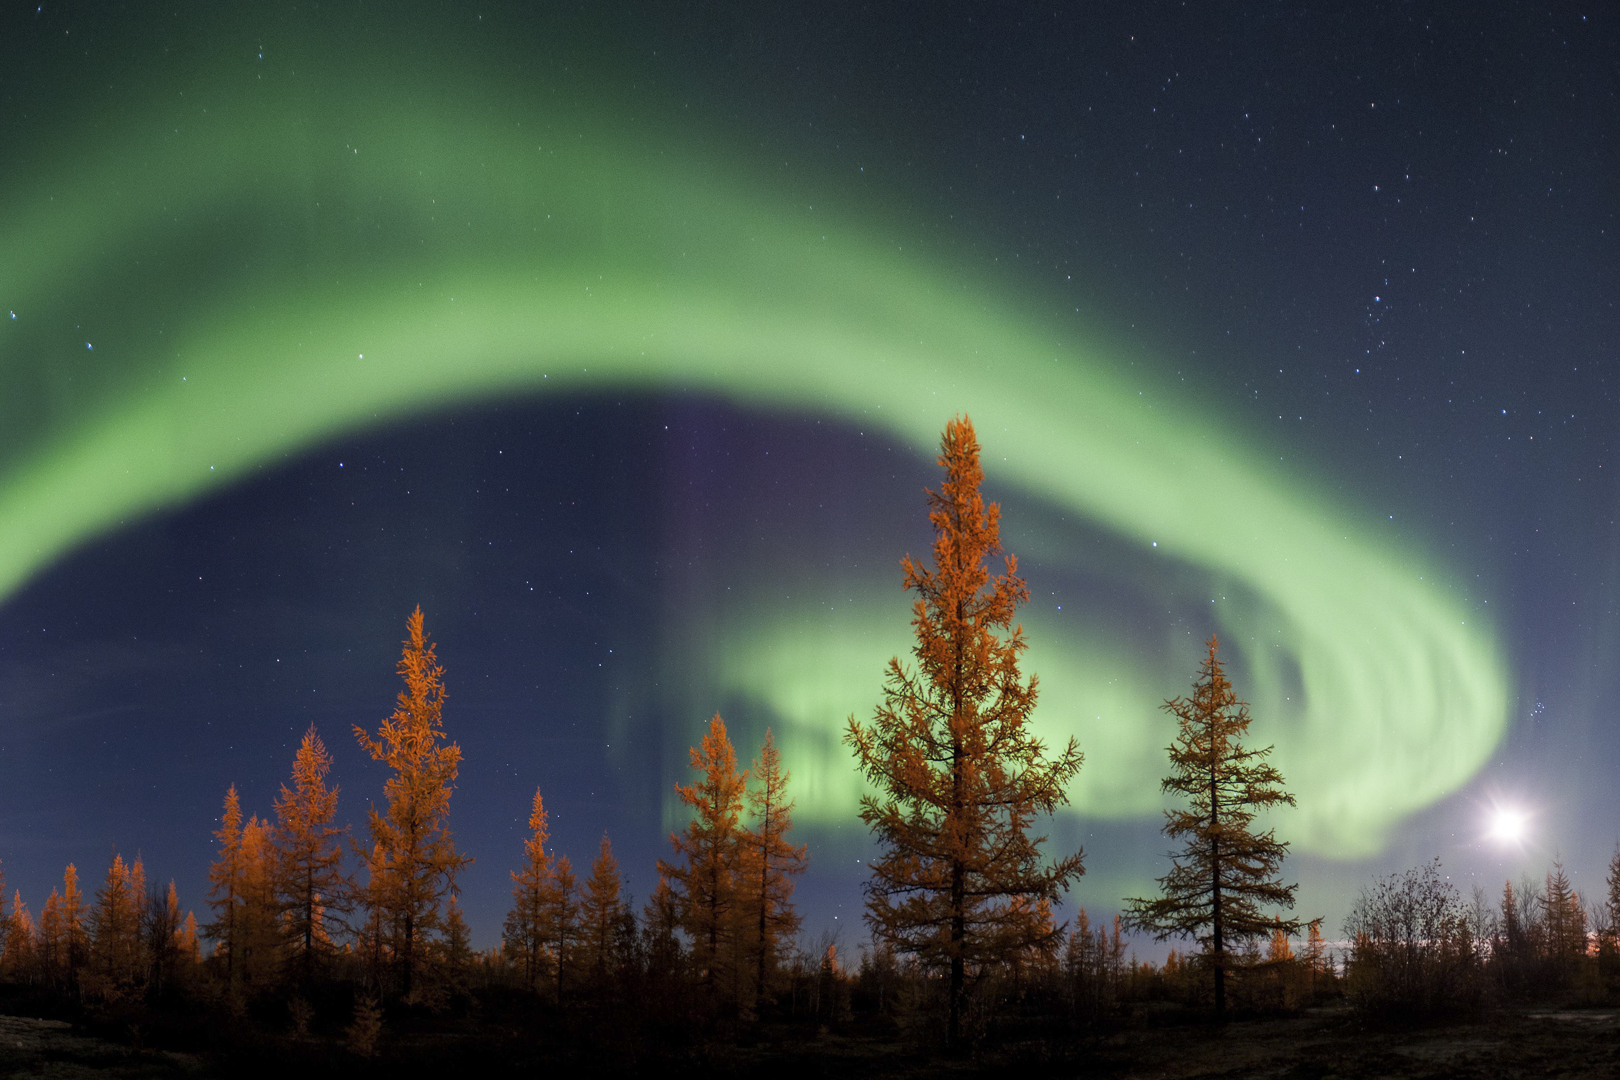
x=1317 y=1045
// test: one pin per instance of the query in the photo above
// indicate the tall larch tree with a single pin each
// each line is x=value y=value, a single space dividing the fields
x=767 y=868
x=661 y=923
x=225 y=887
x=21 y=960
x=559 y=920
x=52 y=941
x=525 y=933
x=601 y=914
x=959 y=776
x=704 y=880
x=419 y=861
x=309 y=850
x=1612 y=897
x=1564 y=916
x=261 y=932
x=115 y=925
x=1225 y=873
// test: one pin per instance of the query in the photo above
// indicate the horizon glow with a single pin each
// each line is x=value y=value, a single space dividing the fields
x=229 y=278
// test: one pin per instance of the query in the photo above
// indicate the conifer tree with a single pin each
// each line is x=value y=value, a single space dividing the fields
x=260 y=932
x=187 y=940
x=52 y=941
x=1225 y=872
x=525 y=933
x=65 y=939
x=22 y=952
x=116 y=925
x=456 y=950
x=419 y=861
x=768 y=865
x=309 y=850
x=560 y=919
x=1565 y=919
x=1613 y=882
x=960 y=778
x=601 y=912
x=225 y=886
x=661 y=921
x=704 y=882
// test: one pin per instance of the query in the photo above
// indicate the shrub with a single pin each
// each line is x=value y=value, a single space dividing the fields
x=1414 y=955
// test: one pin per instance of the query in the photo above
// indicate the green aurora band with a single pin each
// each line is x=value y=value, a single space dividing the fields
x=234 y=274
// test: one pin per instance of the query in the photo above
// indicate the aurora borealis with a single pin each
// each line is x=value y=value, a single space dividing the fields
x=287 y=241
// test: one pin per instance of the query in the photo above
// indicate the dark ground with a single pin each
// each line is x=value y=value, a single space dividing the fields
x=1317 y=1045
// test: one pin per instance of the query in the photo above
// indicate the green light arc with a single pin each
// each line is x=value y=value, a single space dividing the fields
x=390 y=273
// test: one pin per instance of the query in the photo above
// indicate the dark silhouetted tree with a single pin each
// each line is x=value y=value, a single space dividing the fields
x=960 y=778
x=415 y=861
x=1225 y=872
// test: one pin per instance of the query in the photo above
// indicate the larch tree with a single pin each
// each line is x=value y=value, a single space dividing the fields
x=21 y=958
x=419 y=861
x=960 y=778
x=64 y=933
x=601 y=914
x=455 y=949
x=661 y=923
x=1564 y=916
x=309 y=850
x=559 y=921
x=115 y=925
x=52 y=941
x=704 y=880
x=767 y=868
x=225 y=886
x=261 y=932
x=1226 y=872
x=525 y=933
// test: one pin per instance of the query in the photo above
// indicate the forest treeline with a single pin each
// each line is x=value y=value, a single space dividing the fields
x=330 y=937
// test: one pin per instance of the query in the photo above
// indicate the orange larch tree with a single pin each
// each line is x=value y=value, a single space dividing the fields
x=309 y=849
x=602 y=914
x=52 y=941
x=419 y=861
x=225 y=886
x=768 y=865
x=525 y=932
x=960 y=778
x=559 y=905
x=115 y=925
x=19 y=965
x=75 y=936
x=704 y=882
x=261 y=933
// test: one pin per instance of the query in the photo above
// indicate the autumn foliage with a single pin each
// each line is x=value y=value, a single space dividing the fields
x=959 y=777
x=413 y=862
x=347 y=942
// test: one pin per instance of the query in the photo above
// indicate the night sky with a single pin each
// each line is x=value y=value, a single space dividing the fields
x=620 y=339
